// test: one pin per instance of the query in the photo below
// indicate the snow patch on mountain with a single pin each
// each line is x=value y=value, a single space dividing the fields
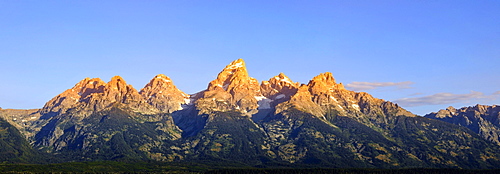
x=355 y=106
x=263 y=102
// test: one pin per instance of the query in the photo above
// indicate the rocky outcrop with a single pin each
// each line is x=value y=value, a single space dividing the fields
x=71 y=97
x=93 y=95
x=118 y=91
x=161 y=93
x=482 y=119
x=232 y=90
x=301 y=101
x=323 y=96
x=278 y=89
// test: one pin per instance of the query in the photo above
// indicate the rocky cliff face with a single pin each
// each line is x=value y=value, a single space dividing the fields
x=93 y=95
x=161 y=93
x=322 y=97
x=233 y=89
x=278 y=89
x=71 y=97
x=482 y=119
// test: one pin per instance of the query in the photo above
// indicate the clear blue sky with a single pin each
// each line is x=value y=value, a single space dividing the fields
x=423 y=54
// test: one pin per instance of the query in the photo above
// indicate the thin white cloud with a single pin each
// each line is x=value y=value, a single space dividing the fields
x=415 y=94
x=443 y=98
x=360 y=86
x=496 y=93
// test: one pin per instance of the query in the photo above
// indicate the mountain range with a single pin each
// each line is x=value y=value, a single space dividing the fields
x=237 y=121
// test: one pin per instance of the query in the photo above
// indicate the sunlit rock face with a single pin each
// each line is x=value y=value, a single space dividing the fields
x=278 y=89
x=161 y=93
x=232 y=90
x=322 y=96
x=92 y=95
x=71 y=97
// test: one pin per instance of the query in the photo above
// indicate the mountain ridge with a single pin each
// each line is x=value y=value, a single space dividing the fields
x=277 y=122
x=482 y=119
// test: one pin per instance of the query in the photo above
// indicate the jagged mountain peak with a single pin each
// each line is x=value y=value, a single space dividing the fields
x=450 y=108
x=326 y=77
x=92 y=95
x=86 y=87
x=322 y=95
x=117 y=83
x=87 y=81
x=70 y=97
x=326 y=91
x=323 y=82
x=282 y=78
x=232 y=75
x=279 y=88
x=117 y=89
x=482 y=108
x=161 y=93
x=162 y=77
x=482 y=119
x=161 y=80
x=236 y=64
x=232 y=90
x=449 y=112
x=117 y=79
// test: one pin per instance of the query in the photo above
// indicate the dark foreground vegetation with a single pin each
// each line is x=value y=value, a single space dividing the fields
x=156 y=167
